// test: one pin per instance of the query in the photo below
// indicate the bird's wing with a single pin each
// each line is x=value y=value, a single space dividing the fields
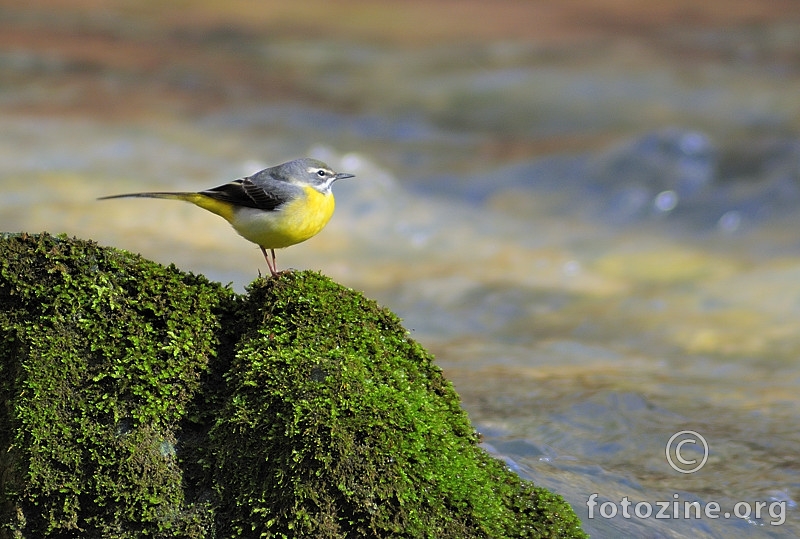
x=254 y=193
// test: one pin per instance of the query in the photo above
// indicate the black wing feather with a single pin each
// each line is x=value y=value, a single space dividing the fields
x=245 y=192
x=261 y=197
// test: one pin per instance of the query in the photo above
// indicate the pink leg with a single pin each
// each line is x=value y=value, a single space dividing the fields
x=271 y=265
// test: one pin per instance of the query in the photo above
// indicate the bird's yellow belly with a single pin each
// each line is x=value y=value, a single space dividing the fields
x=293 y=223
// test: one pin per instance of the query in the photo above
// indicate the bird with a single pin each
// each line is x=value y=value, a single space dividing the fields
x=274 y=208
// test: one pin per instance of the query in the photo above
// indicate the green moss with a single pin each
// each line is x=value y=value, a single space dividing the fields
x=102 y=352
x=337 y=424
x=142 y=401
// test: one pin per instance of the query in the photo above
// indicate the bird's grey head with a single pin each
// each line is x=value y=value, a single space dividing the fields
x=307 y=171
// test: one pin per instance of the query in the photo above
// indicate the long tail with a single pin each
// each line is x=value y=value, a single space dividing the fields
x=188 y=197
x=223 y=209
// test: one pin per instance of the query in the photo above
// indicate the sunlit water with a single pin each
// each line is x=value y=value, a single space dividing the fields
x=587 y=305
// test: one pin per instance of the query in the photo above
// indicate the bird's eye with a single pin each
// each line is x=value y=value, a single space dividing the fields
x=321 y=173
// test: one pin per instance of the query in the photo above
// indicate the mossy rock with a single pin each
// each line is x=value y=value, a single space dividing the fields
x=141 y=401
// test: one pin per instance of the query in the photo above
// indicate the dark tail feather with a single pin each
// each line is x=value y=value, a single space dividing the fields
x=169 y=195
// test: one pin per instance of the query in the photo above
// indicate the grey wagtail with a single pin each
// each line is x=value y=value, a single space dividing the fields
x=274 y=208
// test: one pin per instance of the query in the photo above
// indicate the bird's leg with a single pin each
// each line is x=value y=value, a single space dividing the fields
x=270 y=265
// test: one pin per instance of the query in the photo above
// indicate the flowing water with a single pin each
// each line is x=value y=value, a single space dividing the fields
x=599 y=241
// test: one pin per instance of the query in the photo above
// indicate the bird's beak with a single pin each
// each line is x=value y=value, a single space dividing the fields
x=343 y=176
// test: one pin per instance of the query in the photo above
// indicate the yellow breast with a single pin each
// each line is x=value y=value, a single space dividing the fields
x=294 y=222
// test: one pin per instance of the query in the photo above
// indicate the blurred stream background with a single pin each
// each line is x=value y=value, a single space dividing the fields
x=588 y=210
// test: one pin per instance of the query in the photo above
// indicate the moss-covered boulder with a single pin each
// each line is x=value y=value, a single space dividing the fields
x=101 y=354
x=140 y=401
